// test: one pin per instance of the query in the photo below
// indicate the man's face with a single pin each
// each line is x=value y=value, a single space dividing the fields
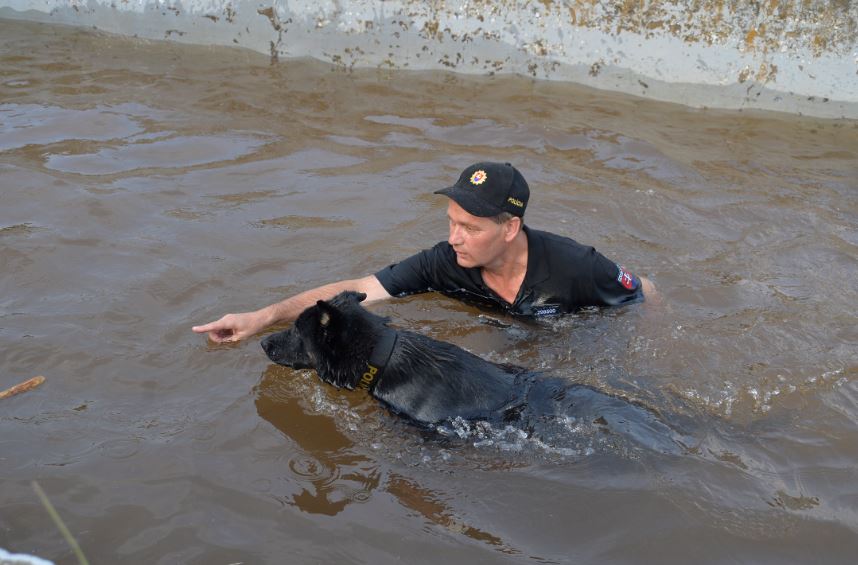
x=478 y=242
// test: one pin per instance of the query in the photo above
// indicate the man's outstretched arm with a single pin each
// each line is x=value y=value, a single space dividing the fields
x=235 y=327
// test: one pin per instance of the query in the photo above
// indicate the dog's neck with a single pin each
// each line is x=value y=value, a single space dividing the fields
x=381 y=353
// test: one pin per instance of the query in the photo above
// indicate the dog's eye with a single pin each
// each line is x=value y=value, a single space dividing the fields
x=324 y=319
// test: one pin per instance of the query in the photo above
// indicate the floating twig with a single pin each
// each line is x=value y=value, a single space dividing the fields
x=23 y=387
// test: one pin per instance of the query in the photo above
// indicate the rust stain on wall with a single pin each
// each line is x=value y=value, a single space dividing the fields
x=822 y=25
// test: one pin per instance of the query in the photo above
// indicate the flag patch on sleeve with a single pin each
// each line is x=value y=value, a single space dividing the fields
x=626 y=279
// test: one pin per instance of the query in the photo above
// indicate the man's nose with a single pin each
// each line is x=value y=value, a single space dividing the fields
x=455 y=236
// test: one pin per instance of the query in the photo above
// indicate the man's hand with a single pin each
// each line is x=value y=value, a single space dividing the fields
x=233 y=327
x=649 y=291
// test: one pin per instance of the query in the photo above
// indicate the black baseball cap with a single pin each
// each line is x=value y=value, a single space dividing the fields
x=487 y=189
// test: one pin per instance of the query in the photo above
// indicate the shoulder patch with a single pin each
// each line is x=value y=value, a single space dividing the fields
x=626 y=279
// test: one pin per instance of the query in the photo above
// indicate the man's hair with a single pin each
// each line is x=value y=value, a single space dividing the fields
x=504 y=217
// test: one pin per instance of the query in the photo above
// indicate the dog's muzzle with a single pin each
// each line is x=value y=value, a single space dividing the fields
x=269 y=345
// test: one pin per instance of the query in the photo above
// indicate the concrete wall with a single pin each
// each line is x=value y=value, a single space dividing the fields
x=790 y=55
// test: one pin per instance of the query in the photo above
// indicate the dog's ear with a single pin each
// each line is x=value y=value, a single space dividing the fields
x=347 y=297
x=327 y=313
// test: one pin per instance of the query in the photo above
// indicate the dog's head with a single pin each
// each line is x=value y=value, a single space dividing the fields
x=325 y=337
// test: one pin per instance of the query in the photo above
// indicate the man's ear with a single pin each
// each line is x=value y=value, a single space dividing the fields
x=328 y=314
x=511 y=228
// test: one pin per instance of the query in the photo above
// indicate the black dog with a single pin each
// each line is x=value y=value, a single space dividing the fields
x=432 y=381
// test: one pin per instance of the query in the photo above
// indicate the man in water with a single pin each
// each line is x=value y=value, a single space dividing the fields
x=490 y=257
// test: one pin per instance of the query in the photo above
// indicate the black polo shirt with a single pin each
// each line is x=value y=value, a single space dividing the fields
x=562 y=276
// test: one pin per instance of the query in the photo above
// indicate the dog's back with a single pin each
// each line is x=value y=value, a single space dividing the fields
x=430 y=381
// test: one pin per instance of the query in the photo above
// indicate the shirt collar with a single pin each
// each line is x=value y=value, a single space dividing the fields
x=537 y=259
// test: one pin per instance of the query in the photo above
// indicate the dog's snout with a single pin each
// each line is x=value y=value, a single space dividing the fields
x=269 y=346
x=285 y=348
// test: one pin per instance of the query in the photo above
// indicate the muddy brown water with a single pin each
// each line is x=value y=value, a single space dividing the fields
x=146 y=188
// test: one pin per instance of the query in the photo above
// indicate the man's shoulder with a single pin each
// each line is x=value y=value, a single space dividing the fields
x=441 y=250
x=554 y=243
x=438 y=259
x=429 y=269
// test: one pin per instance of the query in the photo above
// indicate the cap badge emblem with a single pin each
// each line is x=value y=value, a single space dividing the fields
x=479 y=177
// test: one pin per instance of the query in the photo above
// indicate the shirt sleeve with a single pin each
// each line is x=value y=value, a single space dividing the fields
x=614 y=284
x=416 y=274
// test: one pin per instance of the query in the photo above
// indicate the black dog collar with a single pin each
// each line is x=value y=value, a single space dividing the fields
x=378 y=360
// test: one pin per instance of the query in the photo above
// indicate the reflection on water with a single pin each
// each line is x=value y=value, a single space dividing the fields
x=146 y=187
x=329 y=470
x=331 y=475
